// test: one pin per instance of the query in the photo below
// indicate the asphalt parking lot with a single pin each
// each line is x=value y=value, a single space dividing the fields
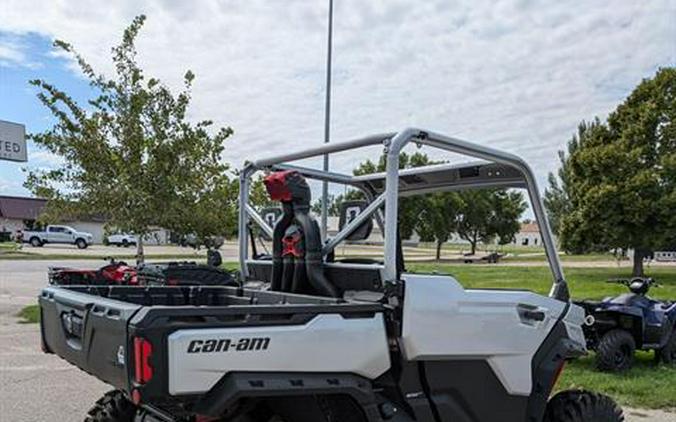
x=35 y=387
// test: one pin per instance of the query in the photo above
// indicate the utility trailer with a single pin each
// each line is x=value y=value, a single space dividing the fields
x=327 y=339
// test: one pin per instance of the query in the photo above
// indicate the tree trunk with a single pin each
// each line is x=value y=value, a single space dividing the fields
x=139 y=250
x=473 y=243
x=439 y=243
x=639 y=254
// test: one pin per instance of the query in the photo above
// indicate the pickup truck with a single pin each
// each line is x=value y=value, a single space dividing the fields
x=307 y=337
x=58 y=234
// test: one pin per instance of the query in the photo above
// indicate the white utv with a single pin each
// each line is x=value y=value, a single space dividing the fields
x=329 y=340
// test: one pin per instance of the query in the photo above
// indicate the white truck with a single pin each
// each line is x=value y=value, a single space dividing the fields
x=58 y=234
x=122 y=239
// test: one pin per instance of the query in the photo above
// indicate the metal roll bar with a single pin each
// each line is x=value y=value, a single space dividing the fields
x=393 y=144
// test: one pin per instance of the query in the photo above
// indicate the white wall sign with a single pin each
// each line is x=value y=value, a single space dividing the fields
x=12 y=142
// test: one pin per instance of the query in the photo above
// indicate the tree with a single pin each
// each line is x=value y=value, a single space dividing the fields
x=258 y=195
x=621 y=177
x=558 y=200
x=336 y=201
x=409 y=208
x=131 y=155
x=489 y=213
x=439 y=218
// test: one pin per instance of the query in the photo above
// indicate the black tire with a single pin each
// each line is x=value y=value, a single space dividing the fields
x=667 y=354
x=615 y=351
x=81 y=244
x=184 y=274
x=201 y=276
x=125 y=243
x=35 y=242
x=114 y=406
x=582 y=406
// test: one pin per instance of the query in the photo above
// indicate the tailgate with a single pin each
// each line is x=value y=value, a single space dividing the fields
x=88 y=331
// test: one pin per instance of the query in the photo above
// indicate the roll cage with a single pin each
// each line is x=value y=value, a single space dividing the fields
x=496 y=169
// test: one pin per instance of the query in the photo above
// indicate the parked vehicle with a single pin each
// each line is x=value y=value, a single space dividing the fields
x=183 y=274
x=113 y=273
x=333 y=340
x=193 y=241
x=122 y=239
x=118 y=273
x=620 y=325
x=58 y=234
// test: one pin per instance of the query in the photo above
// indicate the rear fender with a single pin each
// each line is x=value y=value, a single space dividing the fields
x=622 y=317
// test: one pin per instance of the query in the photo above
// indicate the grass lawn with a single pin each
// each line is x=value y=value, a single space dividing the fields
x=7 y=247
x=29 y=315
x=646 y=385
x=584 y=283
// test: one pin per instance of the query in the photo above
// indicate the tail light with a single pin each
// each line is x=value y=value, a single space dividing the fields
x=143 y=350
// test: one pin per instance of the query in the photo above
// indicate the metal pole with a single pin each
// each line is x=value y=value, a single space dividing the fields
x=327 y=125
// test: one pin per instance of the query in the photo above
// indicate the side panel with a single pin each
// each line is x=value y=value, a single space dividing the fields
x=198 y=358
x=442 y=321
x=469 y=391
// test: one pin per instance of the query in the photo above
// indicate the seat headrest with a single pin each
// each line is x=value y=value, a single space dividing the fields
x=288 y=186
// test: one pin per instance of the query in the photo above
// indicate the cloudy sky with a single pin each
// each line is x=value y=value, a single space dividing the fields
x=517 y=75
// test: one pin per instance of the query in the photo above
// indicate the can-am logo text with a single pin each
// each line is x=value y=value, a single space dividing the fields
x=229 y=345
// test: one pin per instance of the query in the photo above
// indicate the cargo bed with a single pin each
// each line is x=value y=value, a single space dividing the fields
x=98 y=329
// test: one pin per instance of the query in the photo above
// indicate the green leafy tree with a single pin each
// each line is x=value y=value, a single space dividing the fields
x=131 y=155
x=409 y=208
x=439 y=218
x=558 y=200
x=621 y=177
x=487 y=214
x=336 y=201
x=258 y=195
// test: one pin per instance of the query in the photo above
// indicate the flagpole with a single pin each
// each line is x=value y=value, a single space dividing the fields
x=327 y=125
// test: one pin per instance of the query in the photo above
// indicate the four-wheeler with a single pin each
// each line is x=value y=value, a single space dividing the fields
x=113 y=273
x=183 y=274
x=58 y=234
x=148 y=274
x=620 y=325
x=328 y=339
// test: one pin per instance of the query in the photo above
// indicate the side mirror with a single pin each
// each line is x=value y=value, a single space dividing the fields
x=349 y=210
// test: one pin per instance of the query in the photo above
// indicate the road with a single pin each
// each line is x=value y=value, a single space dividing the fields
x=35 y=387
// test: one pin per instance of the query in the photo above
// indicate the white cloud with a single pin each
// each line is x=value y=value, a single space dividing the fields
x=518 y=75
x=13 y=53
x=45 y=158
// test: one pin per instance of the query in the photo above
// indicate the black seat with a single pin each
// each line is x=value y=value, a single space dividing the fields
x=297 y=260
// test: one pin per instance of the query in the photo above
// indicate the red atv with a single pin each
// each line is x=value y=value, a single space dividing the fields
x=114 y=273
x=158 y=274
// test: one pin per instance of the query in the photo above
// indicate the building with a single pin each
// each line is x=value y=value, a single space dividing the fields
x=666 y=255
x=21 y=213
x=529 y=235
